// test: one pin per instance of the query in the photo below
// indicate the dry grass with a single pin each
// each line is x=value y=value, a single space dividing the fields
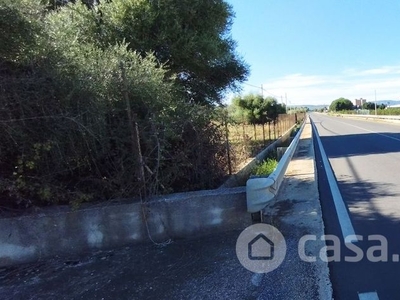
x=245 y=141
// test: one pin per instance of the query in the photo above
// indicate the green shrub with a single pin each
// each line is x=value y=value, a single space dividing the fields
x=68 y=110
x=266 y=167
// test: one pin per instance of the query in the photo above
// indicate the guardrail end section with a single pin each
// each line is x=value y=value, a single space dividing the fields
x=258 y=193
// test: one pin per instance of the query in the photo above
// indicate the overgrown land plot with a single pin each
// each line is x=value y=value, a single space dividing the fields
x=118 y=99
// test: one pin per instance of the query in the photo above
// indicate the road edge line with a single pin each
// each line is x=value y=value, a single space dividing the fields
x=346 y=225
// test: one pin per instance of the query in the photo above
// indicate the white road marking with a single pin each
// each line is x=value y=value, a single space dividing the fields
x=368 y=296
x=344 y=219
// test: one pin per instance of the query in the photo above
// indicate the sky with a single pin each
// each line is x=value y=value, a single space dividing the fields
x=315 y=51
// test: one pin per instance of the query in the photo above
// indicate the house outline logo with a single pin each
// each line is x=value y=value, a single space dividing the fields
x=261 y=248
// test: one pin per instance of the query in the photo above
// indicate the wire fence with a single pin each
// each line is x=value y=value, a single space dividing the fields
x=244 y=141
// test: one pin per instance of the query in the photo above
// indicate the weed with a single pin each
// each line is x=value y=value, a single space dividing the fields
x=266 y=167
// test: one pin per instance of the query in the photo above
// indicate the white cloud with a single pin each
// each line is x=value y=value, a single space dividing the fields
x=376 y=71
x=351 y=84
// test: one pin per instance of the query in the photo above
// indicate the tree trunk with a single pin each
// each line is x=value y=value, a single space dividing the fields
x=135 y=139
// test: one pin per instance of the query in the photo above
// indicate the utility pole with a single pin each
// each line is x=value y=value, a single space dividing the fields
x=375 y=105
x=286 y=101
x=262 y=91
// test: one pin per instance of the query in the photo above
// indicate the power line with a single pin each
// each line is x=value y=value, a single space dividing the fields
x=261 y=88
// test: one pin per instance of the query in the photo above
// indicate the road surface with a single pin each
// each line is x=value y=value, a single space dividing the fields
x=365 y=159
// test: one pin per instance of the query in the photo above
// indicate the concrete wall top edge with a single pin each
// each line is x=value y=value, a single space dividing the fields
x=130 y=204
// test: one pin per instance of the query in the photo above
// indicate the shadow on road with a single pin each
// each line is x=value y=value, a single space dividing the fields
x=361 y=144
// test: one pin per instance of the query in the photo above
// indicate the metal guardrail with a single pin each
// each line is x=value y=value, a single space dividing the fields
x=260 y=191
x=278 y=174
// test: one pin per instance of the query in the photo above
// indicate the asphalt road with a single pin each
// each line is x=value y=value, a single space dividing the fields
x=365 y=159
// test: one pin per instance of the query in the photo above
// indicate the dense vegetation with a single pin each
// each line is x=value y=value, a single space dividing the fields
x=371 y=106
x=255 y=109
x=345 y=106
x=112 y=100
x=341 y=104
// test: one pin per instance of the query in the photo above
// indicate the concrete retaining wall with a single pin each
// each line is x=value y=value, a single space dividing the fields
x=60 y=231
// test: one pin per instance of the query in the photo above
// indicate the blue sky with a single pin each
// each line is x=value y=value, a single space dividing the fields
x=316 y=51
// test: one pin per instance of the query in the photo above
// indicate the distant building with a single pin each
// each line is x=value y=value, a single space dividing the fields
x=359 y=102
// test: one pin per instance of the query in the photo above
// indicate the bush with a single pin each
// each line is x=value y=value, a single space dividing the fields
x=266 y=167
x=341 y=104
x=82 y=122
x=20 y=29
